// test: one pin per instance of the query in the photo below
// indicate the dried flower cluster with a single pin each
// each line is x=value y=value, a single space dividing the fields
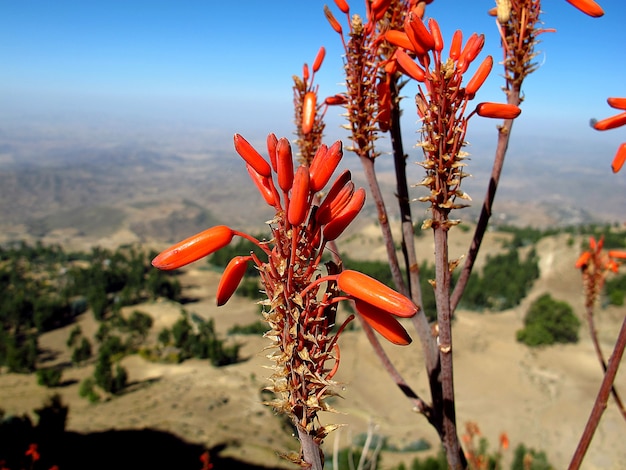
x=441 y=104
x=302 y=294
x=613 y=122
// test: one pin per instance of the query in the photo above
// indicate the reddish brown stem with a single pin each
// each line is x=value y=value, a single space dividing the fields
x=504 y=133
x=601 y=400
x=596 y=345
x=370 y=176
x=420 y=322
x=442 y=296
x=311 y=453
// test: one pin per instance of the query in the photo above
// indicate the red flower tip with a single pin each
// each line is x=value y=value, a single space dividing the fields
x=610 y=123
x=252 y=157
x=369 y=290
x=324 y=164
x=284 y=162
x=498 y=110
x=588 y=7
x=583 y=260
x=381 y=321
x=343 y=6
x=332 y=20
x=309 y=106
x=479 y=77
x=194 y=248
x=233 y=274
x=299 y=200
x=319 y=58
x=620 y=157
x=333 y=229
x=617 y=103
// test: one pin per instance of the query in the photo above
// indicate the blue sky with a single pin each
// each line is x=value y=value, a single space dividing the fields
x=230 y=66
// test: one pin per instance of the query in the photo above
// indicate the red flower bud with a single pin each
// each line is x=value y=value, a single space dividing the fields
x=620 y=157
x=588 y=7
x=373 y=292
x=324 y=164
x=334 y=202
x=319 y=58
x=233 y=274
x=333 y=229
x=251 y=156
x=455 y=46
x=271 y=149
x=332 y=20
x=399 y=39
x=408 y=66
x=263 y=184
x=610 y=123
x=285 y=164
x=299 y=200
x=308 y=112
x=382 y=322
x=617 y=103
x=498 y=110
x=436 y=34
x=479 y=77
x=193 y=248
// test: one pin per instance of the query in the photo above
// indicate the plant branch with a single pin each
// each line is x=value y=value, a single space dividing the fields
x=601 y=400
x=596 y=345
x=311 y=453
x=504 y=133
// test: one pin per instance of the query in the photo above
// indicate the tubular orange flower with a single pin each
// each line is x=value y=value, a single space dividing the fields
x=583 y=260
x=233 y=274
x=361 y=286
x=421 y=35
x=483 y=71
x=610 y=123
x=343 y=6
x=332 y=20
x=251 y=156
x=471 y=50
x=588 y=7
x=617 y=103
x=504 y=441
x=319 y=58
x=263 y=184
x=308 y=112
x=335 y=100
x=340 y=222
x=324 y=164
x=617 y=254
x=193 y=248
x=620 y=157
x=436 y=34
x=498 y=110
x=408 y=66
x=382 y=322
x=337 y=197
x=272 y=140
x=299 y=201
x=455 y=45
x=399 y=39
x=284 y=162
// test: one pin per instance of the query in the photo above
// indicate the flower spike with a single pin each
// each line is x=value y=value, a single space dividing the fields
x=193 y=248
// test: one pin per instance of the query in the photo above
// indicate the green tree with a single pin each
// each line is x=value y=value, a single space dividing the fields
x=82 y=352
x=549 y=321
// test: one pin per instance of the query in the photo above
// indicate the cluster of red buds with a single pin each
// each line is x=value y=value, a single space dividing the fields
x=612 y=122
x=595 y=264
x=302 y=292
x=441 y=104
